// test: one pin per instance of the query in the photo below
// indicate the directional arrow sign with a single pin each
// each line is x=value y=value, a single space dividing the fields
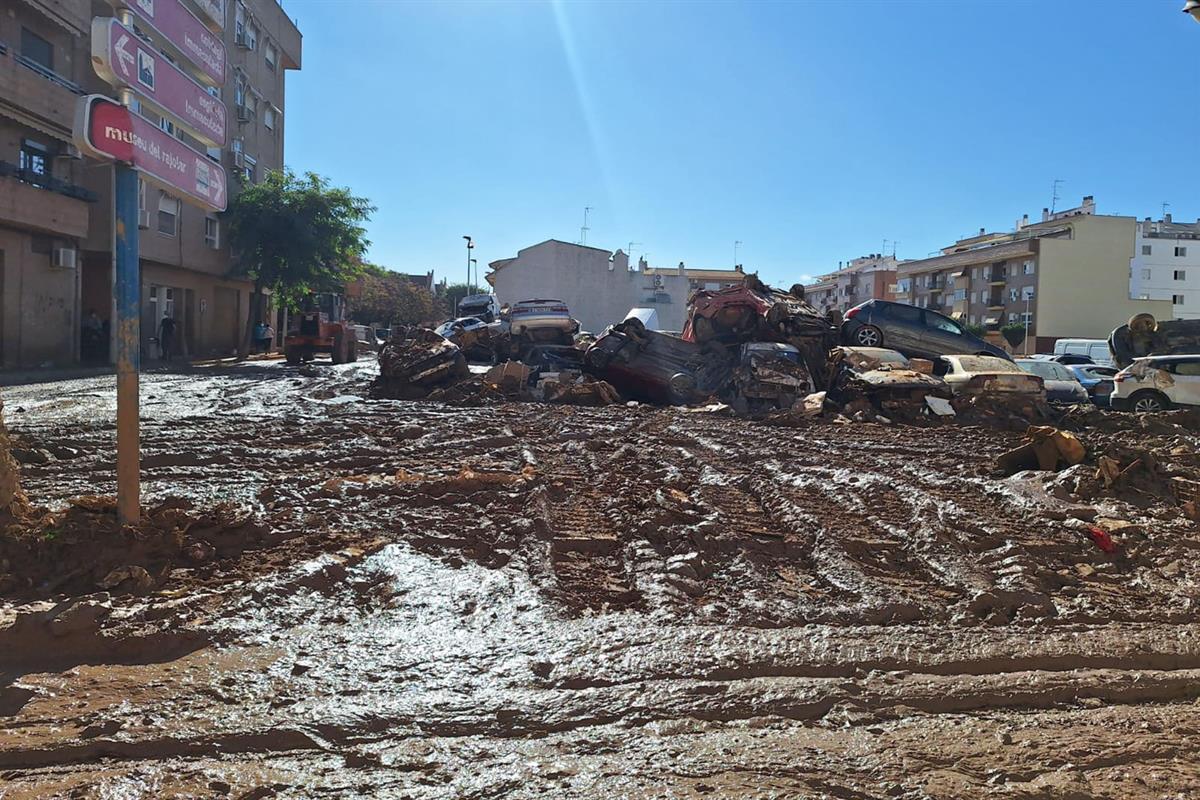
x=170 y=23
x=106 y=130
x=124 y=60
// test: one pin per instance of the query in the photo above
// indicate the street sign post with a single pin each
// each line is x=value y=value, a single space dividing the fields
x=171 y=24
x=111 y=131
x=126 y=61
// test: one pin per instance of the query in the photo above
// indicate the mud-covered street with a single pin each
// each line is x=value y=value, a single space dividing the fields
x=414 y=600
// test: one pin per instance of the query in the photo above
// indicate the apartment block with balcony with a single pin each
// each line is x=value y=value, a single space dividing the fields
x=44 y=209
x=868 y=277
x=1067 y=276
x=185 y=257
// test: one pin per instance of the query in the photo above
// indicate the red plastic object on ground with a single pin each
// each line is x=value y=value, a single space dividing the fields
x=1102 y=539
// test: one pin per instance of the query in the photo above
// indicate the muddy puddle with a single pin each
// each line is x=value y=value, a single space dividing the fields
x=522 y=600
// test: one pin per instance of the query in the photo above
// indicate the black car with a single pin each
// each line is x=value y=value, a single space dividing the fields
x=915 y=332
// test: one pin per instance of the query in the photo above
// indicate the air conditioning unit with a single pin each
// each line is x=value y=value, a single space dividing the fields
x=241 y=39
x=143 y=219
x=69 y=151
x=245 y=114
x=239 y=159
x=65 y=257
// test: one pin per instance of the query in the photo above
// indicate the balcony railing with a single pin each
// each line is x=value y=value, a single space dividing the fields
x=46 y=73
x=48 y=182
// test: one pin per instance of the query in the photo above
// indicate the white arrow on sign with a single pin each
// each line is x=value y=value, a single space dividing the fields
x=123 y=53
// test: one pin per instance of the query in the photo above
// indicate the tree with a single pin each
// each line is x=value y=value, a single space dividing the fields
x=389 y=298
x=975 y=329
x=1013 y=333
x=456 y=292
x=295 y=234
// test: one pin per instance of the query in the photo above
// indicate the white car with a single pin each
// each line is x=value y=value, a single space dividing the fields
x=462 y=324
x=987 y=375
x=542 y=320
x=1156 y=383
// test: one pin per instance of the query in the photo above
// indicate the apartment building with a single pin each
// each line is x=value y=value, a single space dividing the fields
x=44 y=205
x=600 y=286
x=1166 y=265
x=868 y=277
x=1066 y=276
x=56 y=208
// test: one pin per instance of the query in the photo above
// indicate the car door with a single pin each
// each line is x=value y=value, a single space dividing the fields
x=902 y=328
x=942 y=335
x=1187 y=382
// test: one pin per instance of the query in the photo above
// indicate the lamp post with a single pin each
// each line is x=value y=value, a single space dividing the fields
x=470 y=246
x=1192 y=7
x=475 y=276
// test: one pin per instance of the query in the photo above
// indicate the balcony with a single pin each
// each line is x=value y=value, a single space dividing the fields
x=73 y=14
x=28 y=86
x=42 y=202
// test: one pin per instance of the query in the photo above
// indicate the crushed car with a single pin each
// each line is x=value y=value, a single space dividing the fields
x=881 y=376
x=414 y=362
x=988 y=375
x=658 y=367
x=769 y=375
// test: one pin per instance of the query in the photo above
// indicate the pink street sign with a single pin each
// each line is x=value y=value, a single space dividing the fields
x=123 y=60
x=172 y=24
x=106 y=130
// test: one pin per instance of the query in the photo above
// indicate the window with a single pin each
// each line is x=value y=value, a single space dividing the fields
x=940 y=323
x=1029 y=267
x=1012 y=294
x=141 y=195
x=251 y=37
x=212 y=232
x=239 y=23
x=213 y=153
x=1180 y=252
x=1187 y=368
x=270 y=55
x=1027 y=293
x=248 y=172
x=1146 y=274
x=1177 y=299
x=269 y=118
x=712 y=287
x=1181 y=274
x=166 y=125
x=168 y=215
x=904 y=314
x=1147 y=249
x=34 y=157
x=37 y=49
x=960 y=294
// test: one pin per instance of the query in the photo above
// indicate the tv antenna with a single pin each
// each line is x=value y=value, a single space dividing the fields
x=1165 y=206
x=583 y=230
x=1054 y=193
x=736 y=245
x=629 y=252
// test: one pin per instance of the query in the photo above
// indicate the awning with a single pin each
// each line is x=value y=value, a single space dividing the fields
x=992 y=321
x=959 y=274
x=958 y=315
x=33 y=122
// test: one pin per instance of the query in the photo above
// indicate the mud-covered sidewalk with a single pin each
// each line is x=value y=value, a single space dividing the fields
x=407 y=599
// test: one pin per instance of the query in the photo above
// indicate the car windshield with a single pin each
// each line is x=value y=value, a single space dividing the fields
x=1050 y=370
x=985 y=364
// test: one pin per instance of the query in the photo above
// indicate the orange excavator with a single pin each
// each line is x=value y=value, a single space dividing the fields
x=320 y=326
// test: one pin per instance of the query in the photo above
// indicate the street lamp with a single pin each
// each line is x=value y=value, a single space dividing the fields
x=1192 y=7
x=470 y=245
x=475 y=277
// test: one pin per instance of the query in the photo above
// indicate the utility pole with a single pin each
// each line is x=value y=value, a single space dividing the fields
x=584 y=230
x=475 y=277
x=1026 y=324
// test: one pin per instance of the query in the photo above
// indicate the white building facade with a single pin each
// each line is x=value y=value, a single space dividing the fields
x=1166 y=265
x=600 y=287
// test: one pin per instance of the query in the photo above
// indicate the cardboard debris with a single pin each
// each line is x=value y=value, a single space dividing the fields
x=813 y=404
x=939 y=406
x=511 y=377
x=1045 y=448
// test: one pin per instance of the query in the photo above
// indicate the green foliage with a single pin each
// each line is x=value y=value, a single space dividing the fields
x=296 y=234
x=389 y=298
x=975 y=329
x=1013 y=333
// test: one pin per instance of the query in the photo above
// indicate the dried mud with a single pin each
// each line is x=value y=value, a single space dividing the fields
x=523 y=600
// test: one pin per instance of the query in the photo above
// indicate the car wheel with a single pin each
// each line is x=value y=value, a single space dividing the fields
x=868 y=336
x=1148 y=402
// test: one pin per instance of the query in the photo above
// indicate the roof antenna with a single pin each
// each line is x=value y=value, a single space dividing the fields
x=736 y=245
x=1165 y=206
x=583 y=231
x=1054 y=194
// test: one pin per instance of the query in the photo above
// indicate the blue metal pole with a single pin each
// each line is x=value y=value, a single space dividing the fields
x=128 y=290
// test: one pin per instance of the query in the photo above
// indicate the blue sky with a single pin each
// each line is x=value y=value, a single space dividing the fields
x=809 y=131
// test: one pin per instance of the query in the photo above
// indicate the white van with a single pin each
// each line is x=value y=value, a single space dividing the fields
x=1095 y=349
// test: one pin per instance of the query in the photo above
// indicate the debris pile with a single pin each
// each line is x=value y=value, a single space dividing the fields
x=12 y=500
x=414 y=362
x=1044 y=448
x=83 y=548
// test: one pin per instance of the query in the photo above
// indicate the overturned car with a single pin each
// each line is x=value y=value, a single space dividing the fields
x=881 y=376
x=657 y=367
x=414 y=362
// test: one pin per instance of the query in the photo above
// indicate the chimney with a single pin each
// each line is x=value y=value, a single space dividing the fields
x=1045 y=214
x=1166 y=218
x=981 y=231
x=681 y=267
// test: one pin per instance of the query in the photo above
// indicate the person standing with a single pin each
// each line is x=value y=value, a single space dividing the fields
x=166 y=337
